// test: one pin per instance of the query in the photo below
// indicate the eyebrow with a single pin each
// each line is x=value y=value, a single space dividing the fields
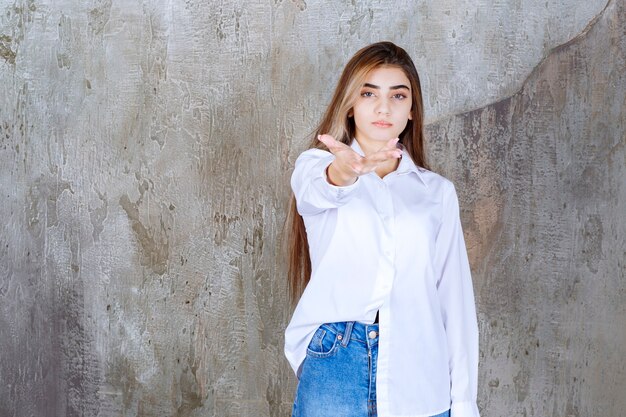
x=393 y=87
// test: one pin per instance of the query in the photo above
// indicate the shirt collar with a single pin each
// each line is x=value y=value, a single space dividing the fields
x=405 y=166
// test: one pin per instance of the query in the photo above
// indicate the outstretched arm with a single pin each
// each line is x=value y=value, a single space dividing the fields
x=349 y=165
x=323 y=180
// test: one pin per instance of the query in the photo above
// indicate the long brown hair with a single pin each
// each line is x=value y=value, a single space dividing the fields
x=337 y=123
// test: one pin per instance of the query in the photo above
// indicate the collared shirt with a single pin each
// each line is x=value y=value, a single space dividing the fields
x=395 y=245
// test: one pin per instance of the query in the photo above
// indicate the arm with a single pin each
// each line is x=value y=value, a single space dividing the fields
x=324 y=180
x=311 y=187
x=458 y=310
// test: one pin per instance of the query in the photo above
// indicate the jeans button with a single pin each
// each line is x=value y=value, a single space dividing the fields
x=339 y=337
x=372 y=334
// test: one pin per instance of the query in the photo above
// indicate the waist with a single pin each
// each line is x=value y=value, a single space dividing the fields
x=354 y=330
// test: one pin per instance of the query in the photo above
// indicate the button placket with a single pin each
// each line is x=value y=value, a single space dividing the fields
x=384 y=209
x=387 y=215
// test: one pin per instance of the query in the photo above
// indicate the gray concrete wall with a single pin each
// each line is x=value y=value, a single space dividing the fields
x=145 y=151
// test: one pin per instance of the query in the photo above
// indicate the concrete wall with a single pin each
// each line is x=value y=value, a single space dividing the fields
x=145 y=151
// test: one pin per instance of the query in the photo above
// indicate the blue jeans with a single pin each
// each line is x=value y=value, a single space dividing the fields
x=338 y=375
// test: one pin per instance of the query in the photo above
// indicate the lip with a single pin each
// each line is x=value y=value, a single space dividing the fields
x=381 y=123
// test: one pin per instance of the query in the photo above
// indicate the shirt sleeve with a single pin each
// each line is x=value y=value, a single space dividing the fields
x=458 y=309
x=310 y=185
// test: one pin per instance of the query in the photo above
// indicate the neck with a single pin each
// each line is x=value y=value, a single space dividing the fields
x=387 y=167
x=368 y=148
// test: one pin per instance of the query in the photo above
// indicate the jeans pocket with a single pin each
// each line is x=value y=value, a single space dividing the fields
x=324 y=343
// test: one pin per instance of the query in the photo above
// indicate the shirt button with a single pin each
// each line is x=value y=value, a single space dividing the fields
x=372 y=334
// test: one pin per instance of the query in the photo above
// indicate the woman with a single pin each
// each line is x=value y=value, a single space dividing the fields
x=385 y=323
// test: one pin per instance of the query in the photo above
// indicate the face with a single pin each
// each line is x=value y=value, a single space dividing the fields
x=383 y=106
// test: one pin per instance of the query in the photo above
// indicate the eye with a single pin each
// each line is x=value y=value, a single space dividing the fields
x=367 y=94
x=399 y=96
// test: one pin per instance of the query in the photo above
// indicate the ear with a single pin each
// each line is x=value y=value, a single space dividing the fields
x=351 y=113
x=411 y=115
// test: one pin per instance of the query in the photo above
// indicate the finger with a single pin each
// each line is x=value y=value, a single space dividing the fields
x=391 y=144
x=327 y=140
x=331 y=143
x=373 y=161
x=384 y=155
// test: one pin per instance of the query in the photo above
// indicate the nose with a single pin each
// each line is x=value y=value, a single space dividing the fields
x=383 y=106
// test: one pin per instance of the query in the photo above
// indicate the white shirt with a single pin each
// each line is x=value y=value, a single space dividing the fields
x=395 y=245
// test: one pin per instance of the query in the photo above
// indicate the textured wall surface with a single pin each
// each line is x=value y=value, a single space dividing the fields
x=145 y=151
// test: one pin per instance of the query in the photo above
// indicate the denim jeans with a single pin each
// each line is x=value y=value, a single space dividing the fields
x=338 y=375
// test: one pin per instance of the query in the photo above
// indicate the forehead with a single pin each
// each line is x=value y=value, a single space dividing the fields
x=387 y=76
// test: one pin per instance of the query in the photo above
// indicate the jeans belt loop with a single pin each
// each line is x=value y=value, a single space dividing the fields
x=348 y=332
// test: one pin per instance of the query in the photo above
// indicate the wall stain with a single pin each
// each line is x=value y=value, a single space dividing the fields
x=99 y=16
x=97 y=215
x=153 y=241
x=152 y=233
x=522 y=385
x=66 y=42
x=80 y=371
x=5 y=49
x=273 y=396
x=300 y=4
x=191 y=398
x=592 y=238
x=42 y=201
x=121 y=375
x=223 y=226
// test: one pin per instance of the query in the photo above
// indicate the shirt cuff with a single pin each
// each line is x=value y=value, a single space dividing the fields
x=464 y=409
x=333 y=192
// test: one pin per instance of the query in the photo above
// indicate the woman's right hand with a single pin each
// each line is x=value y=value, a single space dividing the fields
x=349 y=165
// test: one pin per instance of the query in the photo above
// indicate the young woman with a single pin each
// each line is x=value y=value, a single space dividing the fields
x=385 y=324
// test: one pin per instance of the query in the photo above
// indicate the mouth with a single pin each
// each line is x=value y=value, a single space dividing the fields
x=381 y=123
